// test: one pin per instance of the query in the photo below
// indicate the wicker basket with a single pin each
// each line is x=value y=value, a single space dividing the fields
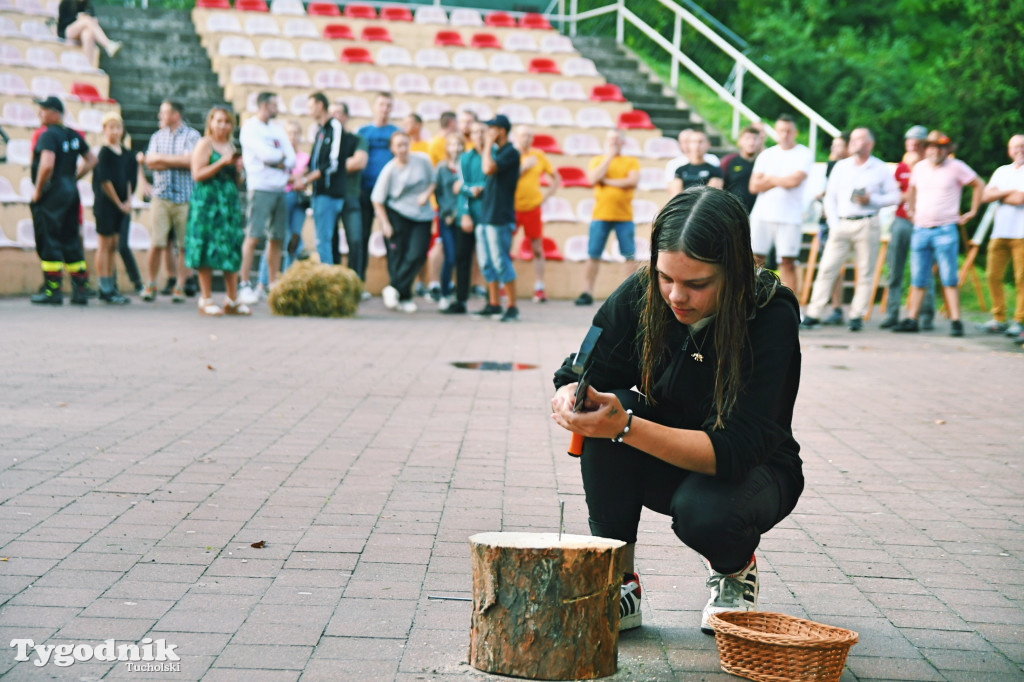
x=774 y=647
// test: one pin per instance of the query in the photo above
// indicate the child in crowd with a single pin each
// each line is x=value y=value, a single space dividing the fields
x=448 y=184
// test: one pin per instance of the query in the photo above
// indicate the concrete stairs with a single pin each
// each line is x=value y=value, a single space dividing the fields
x=161 y=59
x=643 y=90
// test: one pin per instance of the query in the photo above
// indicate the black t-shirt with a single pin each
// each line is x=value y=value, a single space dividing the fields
x=67 y=146
x=121 y=170
x=736 y=172
x=68 y=11
x=497 y=204
x=695 y=175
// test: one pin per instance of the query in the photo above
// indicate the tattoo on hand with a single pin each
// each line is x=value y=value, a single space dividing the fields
x=613 y=411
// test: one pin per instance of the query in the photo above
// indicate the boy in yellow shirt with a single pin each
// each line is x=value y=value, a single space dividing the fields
x=533 y=166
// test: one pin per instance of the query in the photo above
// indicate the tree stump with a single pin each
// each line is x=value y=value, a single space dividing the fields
x=544 y=608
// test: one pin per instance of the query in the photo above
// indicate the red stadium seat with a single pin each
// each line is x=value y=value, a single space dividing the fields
x=338 y=32
x=606 y=93
x=534 y=20
x=543 y=65
x=360 y=12
x=393 y=13
x=546 y=143
x=449 y=39
x=375 y=34
x=87 y=92
x=251 y=6
x=500 y=20
x=485 y=41
x=356 y=55
x=323 y=9
x=213 y=4
x=573 y=176
x=635 y=119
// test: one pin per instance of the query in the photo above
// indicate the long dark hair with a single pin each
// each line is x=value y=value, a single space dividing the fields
x=708 y=225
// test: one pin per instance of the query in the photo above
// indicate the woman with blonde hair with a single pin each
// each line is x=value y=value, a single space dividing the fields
x=113 y=181
x=213 y=238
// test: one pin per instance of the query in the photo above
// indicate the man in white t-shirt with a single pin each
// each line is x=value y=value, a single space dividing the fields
x=268 y=157
x=778 y=181
x=684 y=145
x=1006 y=244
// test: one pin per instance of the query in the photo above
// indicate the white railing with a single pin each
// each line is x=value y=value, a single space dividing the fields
x=743 y=64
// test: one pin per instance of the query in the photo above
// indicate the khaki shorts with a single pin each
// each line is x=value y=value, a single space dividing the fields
x=168 y=215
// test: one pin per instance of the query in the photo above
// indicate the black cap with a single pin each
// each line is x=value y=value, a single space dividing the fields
x=500 y=121
x=51 y=102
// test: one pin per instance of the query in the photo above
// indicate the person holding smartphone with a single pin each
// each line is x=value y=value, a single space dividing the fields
x=711 y=344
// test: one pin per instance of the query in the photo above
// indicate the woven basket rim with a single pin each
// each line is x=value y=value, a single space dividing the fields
x=839 y=636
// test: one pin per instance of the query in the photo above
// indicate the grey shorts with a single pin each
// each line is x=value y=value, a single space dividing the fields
x=266 y=215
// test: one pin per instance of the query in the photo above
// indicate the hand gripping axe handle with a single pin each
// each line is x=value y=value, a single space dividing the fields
x=581 y=366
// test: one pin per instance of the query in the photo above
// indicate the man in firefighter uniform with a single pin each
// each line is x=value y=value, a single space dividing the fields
x=55 y=204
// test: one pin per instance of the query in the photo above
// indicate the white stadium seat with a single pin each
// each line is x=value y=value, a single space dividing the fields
x=465 y=17
x=582 y=145
x=594 y=117
x=412 y=83
x=371 y=81
x=262 y=25
x=529 y=88
x=503 y=62
x=489 y=86
x=517 y=113
x=554 y=115
x=277 y=48
x=249 y=74
x=331 y=79
x=316 y=51
x=469 y=60
x=291 y=76
x=223 y=23
x=579 y=66
x=391 y=55
x=236 y=46
x=430 y=14
x=567 y=90
x=520 y=42
x=300 y=28
x=554 y=43
x=432 y=58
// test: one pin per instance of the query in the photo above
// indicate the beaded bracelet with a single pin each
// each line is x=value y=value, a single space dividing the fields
x=625 y=430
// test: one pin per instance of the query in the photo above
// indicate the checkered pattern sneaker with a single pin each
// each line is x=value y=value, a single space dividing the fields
x=732 y=592
x=629 y=602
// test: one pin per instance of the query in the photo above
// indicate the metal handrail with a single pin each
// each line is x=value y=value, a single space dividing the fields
x=743 y=64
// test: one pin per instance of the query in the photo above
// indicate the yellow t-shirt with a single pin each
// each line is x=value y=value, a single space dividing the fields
x=614 y=203
x=528 y=194
x=420 y=146
x=436 y=149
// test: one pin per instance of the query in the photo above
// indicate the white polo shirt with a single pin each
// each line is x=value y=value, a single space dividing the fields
x=781 y=205
x=1009 y=220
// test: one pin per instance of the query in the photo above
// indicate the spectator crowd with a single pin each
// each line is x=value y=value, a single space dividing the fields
x=448 y=208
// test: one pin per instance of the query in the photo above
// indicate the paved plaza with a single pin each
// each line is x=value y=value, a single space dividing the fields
x=143 y=450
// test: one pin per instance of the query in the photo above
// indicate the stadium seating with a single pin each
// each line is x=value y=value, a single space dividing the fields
x=451 y=85
x=375 y=34
x=359 y=55
x=396 y=13
x=572 y=176
x=323 y=9
x=490 y=87
x=529 y=88
x=449 y=39
x=213 y=4
x=371 y=81
x=534 y=20
x=429 y=14
x=500 y=20
x=316 y=51
x=287 y=7
x=331 y=79
x=390 y=55
x=520 y=42
x=431 y=109
x=582 y=145
x=482 y=41
x=261 y=25
x=594 y=117
x=277 y=48
x=300 y=28
x=432 y=58
x=553 y=116
x=504 y=62
x=223 y=23
x=469 y=60
x=465 y=17
x=557 y=210
x=517 y=113
x=338 y=32
x=661 y=148
x=77 y=62
x=292 y=77
x=251 y=6
x=249 y=74
x=579 y=66
x=546 y=143
x=606 y=93
x=355 y=11
x=629 y=120
x=543 y=65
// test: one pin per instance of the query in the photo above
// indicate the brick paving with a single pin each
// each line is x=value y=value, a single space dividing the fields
x=143 y=450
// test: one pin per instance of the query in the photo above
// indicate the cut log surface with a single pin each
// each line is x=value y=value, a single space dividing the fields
x=545 y=608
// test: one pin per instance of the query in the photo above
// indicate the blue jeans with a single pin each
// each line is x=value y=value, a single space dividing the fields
x=899 y=250
x=325 y=219
x=295 y=217
x=447 y=233
x=624 y=232
x=934 y=244
x=494 y=244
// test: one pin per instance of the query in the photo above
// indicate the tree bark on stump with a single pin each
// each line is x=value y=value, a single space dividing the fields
x=544 y=608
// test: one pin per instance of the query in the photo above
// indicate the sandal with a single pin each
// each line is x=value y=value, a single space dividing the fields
x=232 y=308
x=209 y=308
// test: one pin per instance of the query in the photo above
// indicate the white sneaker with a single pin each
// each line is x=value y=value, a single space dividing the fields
x=407 y=306
x=443 y=303
x=247 y=295
x=365 y=296
x=629 y=602
x=390 y=296
x=735 y=592
x=1014 y=329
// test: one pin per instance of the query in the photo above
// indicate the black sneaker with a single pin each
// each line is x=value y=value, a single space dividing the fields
x=836 y=318
x=114 y=298
x=927 y=324
x=907 y=325
x=511 y=315
x=889 y=322
x=956 y=328
x=488 y=311
x=456 y=308
x=856 y=324
x=584 y=299
x=420 y=290
x=48 y=296
x=435 y=293
x=171 y=283
x=192 y=286
x=809 y=323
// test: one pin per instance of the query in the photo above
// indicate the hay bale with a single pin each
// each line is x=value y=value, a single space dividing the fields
x=309 y=288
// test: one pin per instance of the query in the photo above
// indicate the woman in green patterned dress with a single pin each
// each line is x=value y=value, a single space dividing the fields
x=213 y=238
